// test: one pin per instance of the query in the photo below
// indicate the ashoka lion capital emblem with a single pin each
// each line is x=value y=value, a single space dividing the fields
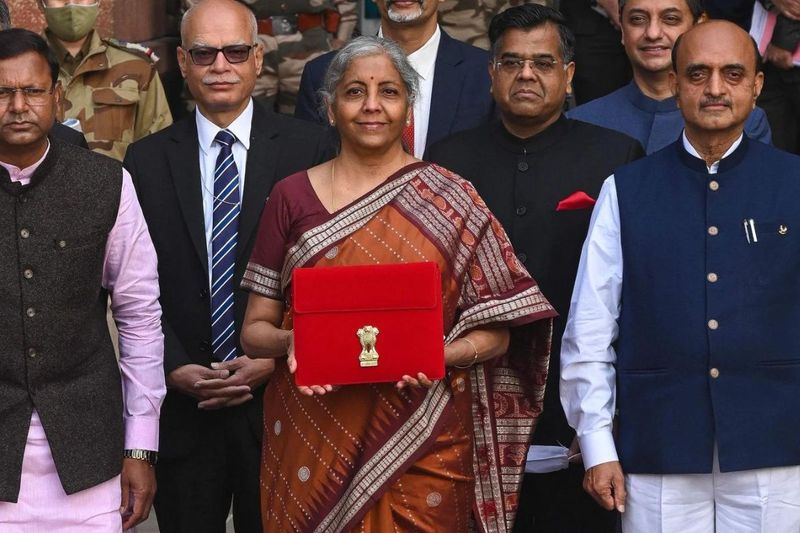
x=368 y=335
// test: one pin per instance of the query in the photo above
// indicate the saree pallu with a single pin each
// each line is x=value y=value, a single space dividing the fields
x=446 y=459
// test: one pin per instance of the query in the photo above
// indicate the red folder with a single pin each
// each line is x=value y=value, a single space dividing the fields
x=367 y=324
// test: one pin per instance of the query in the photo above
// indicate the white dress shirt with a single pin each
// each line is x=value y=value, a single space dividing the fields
x=424 y=62
x=588 y=377
x=209 y=150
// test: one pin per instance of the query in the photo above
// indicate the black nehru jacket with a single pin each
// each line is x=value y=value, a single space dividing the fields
x=522 y=182
x=54 y=342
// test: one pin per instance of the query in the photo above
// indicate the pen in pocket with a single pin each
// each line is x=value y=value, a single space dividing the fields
x=750 y=230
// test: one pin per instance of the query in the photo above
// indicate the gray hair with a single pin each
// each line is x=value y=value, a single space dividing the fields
x=5 y=16
x=187 y=15
x=366 y=46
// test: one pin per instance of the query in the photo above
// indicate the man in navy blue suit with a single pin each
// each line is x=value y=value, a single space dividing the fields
x=454 y=88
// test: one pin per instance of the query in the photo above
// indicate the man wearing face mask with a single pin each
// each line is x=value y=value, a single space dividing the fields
x=111 y=88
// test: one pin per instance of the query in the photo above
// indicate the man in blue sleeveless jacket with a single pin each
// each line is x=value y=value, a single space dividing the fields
x=684 y=316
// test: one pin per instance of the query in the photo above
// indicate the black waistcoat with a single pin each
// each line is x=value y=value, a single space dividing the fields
x=56 y=354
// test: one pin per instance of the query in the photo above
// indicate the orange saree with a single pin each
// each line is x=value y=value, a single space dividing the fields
x=368 y=457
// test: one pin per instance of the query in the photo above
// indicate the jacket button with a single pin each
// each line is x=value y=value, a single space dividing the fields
x=522 y=166
x=713 y=185
x=713 y=324
x=62 y=244
x=31 y=312
x=712 y=277
x=32 y=352
x=714 y=373
x=27 y=273
x=713 y=230
x=203 y=294
x=205 y=346
x=24 y=233
x=521 y=210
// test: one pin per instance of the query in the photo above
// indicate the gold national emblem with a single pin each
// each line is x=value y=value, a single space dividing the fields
x=368 y=335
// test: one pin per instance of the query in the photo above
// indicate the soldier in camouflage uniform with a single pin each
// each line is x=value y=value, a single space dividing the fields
x=287 y=49
x=112 y=88
x=468 y=20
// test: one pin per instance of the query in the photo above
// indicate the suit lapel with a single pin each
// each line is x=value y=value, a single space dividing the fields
x=259 y=174
x=446 y=87
x=184 y=163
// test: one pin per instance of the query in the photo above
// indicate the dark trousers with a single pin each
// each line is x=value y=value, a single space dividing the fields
x=780 y=99
x=557 y=503
x=195 y=490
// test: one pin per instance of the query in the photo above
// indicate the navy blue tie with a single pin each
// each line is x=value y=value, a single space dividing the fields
x=223 y=250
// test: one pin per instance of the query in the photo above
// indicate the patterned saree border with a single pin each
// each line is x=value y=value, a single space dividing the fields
x=262 y=280
x=352 y=218
x=531 y=301
x=373 y=477
x=485 y=490
x=489 y=487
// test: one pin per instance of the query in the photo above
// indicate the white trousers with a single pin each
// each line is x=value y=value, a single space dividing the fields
x=766 y=500
x=44 y=507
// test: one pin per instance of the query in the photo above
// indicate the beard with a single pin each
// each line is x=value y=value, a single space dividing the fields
x=394 y=16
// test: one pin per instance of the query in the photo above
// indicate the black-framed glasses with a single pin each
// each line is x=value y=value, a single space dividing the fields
x=234 y=53
x=34 y=96
x=514 y=65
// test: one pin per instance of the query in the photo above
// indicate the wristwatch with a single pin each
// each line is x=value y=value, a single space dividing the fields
x=149 y=456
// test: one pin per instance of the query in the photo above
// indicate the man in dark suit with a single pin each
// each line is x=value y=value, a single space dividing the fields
x=202 y=183
x=454 y=85
x=539 y=172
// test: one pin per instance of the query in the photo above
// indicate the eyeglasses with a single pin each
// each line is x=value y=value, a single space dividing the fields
x=514 y=65
x=206 y=55
x=34 y=96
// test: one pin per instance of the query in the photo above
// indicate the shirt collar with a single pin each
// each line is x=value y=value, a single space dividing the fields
x=65 y=59
x=240 y=127
x=540 y=142
x=424 y=58
x=714 y=166
x=23 y=175
x=645 y=103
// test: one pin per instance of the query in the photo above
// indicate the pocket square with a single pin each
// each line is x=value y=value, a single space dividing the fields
x=576 y=200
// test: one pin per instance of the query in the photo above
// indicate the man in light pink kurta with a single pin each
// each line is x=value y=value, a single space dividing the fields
x=28 y=97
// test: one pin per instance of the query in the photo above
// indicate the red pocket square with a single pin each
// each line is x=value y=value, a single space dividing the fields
x=576 y=200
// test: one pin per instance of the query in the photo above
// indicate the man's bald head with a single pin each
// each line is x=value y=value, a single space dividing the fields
x=709 y=30
x=212 y=8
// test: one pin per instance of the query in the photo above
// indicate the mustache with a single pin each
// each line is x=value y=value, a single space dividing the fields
x=19 y=119
x=211 y=79
x=714 y=101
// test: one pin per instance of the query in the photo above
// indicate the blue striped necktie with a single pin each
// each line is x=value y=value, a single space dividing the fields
x=223 y=250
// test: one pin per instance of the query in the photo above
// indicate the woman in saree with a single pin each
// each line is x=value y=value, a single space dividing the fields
x=442 y=456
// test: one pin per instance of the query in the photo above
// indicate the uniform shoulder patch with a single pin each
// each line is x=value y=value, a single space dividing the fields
x=133 y=48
